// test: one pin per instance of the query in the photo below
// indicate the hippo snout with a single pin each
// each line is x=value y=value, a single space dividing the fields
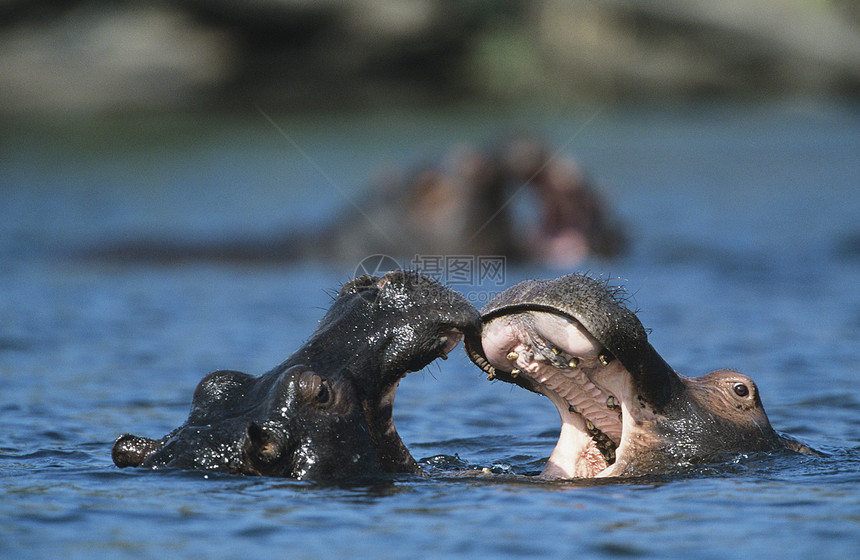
x=130 y=450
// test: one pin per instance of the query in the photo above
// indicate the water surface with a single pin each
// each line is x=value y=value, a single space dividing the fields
x=746 y=255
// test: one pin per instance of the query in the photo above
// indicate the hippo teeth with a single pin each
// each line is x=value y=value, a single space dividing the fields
x=583 y=398
x=482 y=363
x=554 y=355
x=603 y=442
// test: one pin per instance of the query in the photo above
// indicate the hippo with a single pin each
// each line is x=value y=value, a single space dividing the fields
x=624 y=411
x=459 y=206
x=325 y=413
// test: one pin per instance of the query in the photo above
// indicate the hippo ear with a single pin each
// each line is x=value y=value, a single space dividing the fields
x=263 y=450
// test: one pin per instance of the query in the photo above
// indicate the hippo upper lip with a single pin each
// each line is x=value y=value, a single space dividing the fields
x=601 y=309
x=453 y=316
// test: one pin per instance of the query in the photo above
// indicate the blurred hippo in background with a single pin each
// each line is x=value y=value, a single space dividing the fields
x=518 y=201
x=624 y=410
x=326 y=412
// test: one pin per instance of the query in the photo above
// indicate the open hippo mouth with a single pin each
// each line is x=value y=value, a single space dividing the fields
x=554 y=355
x=624 y=411
x=384 y=328
x=573 y=340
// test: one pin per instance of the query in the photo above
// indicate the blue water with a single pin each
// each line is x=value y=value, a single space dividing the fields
x=746 y=254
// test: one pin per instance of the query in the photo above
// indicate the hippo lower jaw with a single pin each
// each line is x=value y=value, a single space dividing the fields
x=603 y=421
x=393 y=453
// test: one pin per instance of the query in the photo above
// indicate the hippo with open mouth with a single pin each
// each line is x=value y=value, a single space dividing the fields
x=326 y=412
x=624 y=411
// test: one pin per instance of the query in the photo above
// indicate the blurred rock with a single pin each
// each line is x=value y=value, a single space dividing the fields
x=622 y=48
x=96 y=58
x=295 y=54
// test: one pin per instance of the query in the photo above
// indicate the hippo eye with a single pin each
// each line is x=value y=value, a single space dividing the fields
x=315 y=389
x=740 y=389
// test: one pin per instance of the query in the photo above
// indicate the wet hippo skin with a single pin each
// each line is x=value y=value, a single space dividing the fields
x=325 y=412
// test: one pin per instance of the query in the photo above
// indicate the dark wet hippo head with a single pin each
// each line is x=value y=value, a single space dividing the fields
x=326 y=412
x=624 y=411
x=304 y=426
